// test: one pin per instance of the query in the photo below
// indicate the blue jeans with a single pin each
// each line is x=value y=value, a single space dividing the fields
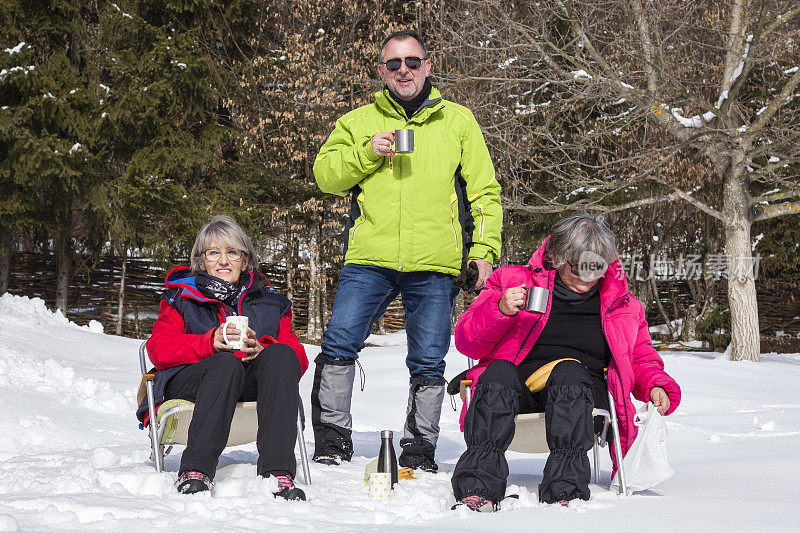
x=363 y=295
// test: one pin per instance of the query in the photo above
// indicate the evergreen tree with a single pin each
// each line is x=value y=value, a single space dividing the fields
x=51 y=101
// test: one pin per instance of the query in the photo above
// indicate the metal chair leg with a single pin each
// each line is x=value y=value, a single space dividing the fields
x=154 y=440
x=617 y=446
x=301 y=442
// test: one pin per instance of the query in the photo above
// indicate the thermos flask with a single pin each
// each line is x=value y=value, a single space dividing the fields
x=387 y=460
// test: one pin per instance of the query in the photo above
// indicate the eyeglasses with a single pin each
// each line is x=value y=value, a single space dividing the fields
x=214 y=255
x=393 y=65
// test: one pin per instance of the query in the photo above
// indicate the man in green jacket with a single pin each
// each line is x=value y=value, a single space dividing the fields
x=417 y=221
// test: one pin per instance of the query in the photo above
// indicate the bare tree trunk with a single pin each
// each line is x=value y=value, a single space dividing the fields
x=5 y=260
x=641 y=289
x=289 y=251
x=63 y=251
x=121 y=297
x=136 y=319
x=459 y=306
x=323 y=298
x=689 y=332
x=323 y=285
x=741 y=283
x=314 y=330
x=661 y=309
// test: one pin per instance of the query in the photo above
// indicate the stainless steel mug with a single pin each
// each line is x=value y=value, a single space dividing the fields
x=536 y=300
x=404 y=141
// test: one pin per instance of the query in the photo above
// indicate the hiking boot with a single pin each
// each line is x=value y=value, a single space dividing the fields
x=327 y=459
x=418 y=463
x=192 y=481
x=287 y=490
x=418 y=454
x=476 y=503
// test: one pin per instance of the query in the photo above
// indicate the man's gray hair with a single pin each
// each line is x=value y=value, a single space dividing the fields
x=227 y=233
x=581 y=233
x=403 y=34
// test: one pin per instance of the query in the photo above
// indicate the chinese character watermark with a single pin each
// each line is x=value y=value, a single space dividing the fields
x=690 y=267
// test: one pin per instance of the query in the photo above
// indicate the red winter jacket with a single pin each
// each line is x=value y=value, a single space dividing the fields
x=172 y=344
x=484 y=333
x=183 y=333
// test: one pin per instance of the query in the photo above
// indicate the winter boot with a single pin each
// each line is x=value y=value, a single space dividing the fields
x=330 y=409
x=287 y=490
x=422 y=424
x=192 y=481
x=476 y=503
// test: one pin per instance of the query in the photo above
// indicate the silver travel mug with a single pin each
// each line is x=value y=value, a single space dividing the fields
x=404 y=141
x=536 y=301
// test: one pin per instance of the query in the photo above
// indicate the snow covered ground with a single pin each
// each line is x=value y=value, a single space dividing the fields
x=73 y=459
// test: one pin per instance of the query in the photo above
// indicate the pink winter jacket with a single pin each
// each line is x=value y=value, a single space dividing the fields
x=484 y=333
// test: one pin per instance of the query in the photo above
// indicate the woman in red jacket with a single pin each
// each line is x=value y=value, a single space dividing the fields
x=595 y=332
x=194 y=362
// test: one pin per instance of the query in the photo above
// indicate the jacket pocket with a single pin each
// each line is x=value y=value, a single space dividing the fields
x=357 y=223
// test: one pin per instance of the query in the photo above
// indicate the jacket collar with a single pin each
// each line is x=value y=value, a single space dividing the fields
x=613 y=284
x=181 y=277
x=431 y=105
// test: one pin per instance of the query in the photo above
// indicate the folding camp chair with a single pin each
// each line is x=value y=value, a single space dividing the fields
x=170 y=425
x=530 y=435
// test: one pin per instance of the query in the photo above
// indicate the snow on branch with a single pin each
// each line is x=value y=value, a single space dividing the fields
x=738 y=71
x=776 y=194
x=16 y=50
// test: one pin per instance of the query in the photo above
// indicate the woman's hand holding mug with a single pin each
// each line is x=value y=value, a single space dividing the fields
x=219 y=337
x=252 y=346
x=513 y=300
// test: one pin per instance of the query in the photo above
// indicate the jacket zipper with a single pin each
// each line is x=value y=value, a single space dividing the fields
x=363 y=215
x=480 y=210
x=453 y=199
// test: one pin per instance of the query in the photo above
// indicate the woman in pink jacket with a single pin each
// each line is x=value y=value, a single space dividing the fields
x=593 y=322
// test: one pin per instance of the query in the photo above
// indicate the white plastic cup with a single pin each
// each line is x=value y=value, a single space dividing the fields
x=241 y=324
x=380 y=485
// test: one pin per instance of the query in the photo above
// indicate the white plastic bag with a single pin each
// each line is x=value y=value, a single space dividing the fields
x=646 y=463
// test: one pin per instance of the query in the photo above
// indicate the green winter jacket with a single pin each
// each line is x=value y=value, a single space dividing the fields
x=430 y=210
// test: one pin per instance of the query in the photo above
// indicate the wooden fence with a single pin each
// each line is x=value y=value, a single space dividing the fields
x=93 y=296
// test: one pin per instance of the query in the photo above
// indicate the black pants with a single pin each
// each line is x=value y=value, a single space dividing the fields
x=567 y=401
x=216 y=383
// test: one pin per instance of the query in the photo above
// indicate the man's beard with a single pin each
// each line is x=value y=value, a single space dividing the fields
x=412 y=87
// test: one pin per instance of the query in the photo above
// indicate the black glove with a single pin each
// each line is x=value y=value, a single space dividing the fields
x=468 y=278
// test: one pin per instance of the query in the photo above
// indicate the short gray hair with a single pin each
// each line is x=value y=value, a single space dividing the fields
x=402 y=35
x=226 y=232
x=581 y=233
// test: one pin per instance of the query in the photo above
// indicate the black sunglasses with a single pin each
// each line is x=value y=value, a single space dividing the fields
x=574 y=269
x=393 y=65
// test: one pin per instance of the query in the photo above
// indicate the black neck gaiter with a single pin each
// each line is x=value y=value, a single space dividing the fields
x=218 y=289
x=568 y=296
x=411 y=106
